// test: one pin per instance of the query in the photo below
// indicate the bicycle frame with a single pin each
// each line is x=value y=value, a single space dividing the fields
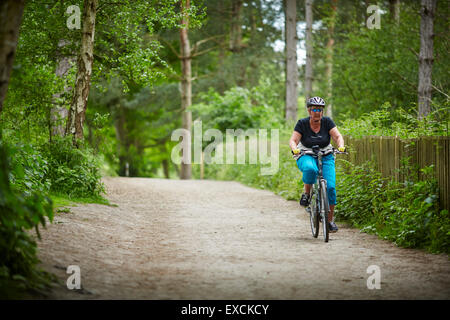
x=322 y=187
x=319 y=195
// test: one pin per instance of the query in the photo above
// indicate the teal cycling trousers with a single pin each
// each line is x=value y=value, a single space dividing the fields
x=309 y=167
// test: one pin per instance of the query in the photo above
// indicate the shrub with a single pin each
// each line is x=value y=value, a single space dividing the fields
x=30 y=170
x=72 y=171
x=406 y=213
x=20 y=211
x=356 y=187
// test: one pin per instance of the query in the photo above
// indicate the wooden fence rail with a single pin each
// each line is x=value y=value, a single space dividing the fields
x=387 y=152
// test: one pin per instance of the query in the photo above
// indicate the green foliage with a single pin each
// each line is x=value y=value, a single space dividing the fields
x=30 y=170
x=125 y=43
x=133 y=128
x=398 y=122
x=406 y=213
x=26 y=112
x=19 y=212
x=74 y=172
x=356 y=188
x=374 y=66
x=55 y=167
x=237 y=108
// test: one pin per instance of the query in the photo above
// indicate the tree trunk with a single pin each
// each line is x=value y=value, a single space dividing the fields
x=329 y=59
x=236 y=25
x=366 y=14
x=78 y=106
x=202 y=166
x=242 y=76
x=177 y=170
x=291 y=60
x=427 y=12
x=222 y=49
x=394 y=8
x=165 y=165
x=186 y=85
x=309 y=48
x=235 y=45
x=59 y=112
x=11 y=12
x=123 y=143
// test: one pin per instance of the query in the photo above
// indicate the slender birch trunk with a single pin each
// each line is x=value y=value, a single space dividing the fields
x=291 y=60
x=186 y=85
x=329 y=59
x=427 y=12
x=309 y=49
x=11 y=12
x=85 y=60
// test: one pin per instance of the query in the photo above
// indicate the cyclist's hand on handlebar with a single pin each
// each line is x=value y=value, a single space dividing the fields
x=295 y=151
x=342 y=149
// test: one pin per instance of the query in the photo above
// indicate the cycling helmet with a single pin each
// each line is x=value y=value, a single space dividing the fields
x=315 y=101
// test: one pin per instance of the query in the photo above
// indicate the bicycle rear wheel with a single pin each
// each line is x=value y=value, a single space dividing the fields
x=324 y=209
x=314 y=213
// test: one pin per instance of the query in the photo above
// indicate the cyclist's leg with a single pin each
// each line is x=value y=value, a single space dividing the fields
x=329 y=173
x=308 y=166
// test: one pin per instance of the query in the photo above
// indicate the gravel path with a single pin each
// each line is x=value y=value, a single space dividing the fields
x=171 y=239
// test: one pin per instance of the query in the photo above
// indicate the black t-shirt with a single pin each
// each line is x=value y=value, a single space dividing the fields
x=309 y=137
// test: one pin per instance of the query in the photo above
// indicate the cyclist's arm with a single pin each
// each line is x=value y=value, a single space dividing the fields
x=295 y=139
x=337 y=137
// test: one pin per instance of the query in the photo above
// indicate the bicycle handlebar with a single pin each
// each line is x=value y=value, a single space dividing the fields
x=333 y=150
x=336 y=151
x=303 y=152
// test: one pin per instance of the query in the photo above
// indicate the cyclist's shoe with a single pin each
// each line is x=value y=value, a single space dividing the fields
x=304 y=201
x=332 y=227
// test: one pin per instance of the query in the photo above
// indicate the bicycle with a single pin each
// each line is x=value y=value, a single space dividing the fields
x=319 y=207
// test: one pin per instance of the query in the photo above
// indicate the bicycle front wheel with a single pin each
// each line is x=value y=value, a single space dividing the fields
x=324 y=209
x=314 y=213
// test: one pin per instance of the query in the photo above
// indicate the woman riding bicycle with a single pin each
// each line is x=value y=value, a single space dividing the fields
x=309 y=132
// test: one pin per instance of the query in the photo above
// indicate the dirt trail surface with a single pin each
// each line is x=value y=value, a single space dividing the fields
x=169 y=239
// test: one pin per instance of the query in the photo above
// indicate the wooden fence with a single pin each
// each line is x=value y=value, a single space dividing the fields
x=387 y=153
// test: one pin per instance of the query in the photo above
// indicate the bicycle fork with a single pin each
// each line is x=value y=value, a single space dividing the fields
x=324 y=205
